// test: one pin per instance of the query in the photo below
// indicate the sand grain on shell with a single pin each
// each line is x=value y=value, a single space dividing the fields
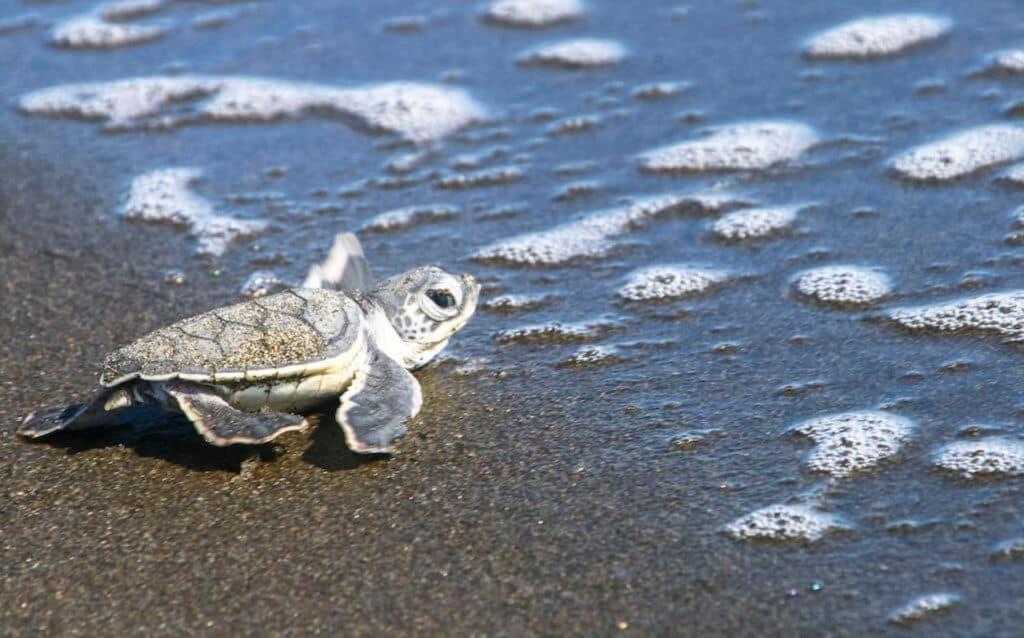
x=418 y=112
x=961 y=154
x=877 y=37
x=743 y=146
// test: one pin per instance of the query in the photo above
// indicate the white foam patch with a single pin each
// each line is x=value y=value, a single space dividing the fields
x=752 y=223
x=659 y=90
x=92 y=31
x=405 y=217
x=843 y=285
x=555 y=331
x=669 y=281
x=1002 y=313
x=785 y=523
x=516 y=302
x=592 y=235
x=165 y=196
x=877 y=37
x=851 y=442
x=575 y=54
x=743 y=146
x=495 y=176
x=923 y=607
x=418 y=112
x=962 y=153
x=534 y=13
x=128 y=9
x=1010 y=61
x=262 y=283
x=983 y=457
x=594 y=355
x=1012 y=175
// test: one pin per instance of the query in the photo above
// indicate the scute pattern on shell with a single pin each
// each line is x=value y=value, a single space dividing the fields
x=289 y=328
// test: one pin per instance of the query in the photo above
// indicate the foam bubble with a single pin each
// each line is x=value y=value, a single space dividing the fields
x=128 y=9
x=755 y=222
x=516 y=302
x=555 y=331
x=405 y=217
x=1012 y=175
x=1009 y=550
x=495 y=176
x=92 y=31
x=843 y=285
x=877 y=37
x=575 y=54
x=923 y=607
x=592 y=235
x=782 y=522
x=1007 y=62
x=853 y=441
x=419 y=112
x=573 y=125
x=982 y=457
x=961 y=154
x=669 y=281
x=262 y=283
x=165 y=196
x=534 y=13
x=1002 y=313
x=743 y=146
x=593 y=355
x=659 y=90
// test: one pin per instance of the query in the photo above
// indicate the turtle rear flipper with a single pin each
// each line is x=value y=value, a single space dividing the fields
x=221 y=424
x=81 y=416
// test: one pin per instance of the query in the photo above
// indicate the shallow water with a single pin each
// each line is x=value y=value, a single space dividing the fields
x=564 y=402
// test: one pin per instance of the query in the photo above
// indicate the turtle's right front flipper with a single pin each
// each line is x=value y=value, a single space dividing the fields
x=81 y=416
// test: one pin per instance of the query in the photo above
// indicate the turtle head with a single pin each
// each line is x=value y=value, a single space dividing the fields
x=426 y=306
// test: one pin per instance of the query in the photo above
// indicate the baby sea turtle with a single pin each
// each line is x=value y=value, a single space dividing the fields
x=244 y=373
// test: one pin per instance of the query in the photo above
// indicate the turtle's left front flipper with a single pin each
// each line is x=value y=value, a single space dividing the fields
x=375 y=408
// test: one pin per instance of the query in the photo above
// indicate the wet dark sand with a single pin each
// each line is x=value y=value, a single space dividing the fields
x=503 y=514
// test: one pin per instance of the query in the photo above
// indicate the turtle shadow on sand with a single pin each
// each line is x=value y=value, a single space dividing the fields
x=154 y=433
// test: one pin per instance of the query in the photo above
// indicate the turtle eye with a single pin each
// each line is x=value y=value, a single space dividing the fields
x=441 y=298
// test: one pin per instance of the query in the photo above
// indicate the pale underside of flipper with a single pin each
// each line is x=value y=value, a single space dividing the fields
x=221 y=424
x=376 y=407
x=345 y=268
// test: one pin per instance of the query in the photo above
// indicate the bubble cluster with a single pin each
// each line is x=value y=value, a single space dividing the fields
x=495 y=176
x=851 y=442
x=961 y=154
x=785 y=523
x=165 y=196
x=101 y=28
x=516 y=302
x=575 y=54
x=1011 y=550
x=743 y=146
x=982 y=457
x=1012 y=175
x=659 y=90
x=877 y=37
x=1009 y=62
x=843 y=285
x=534 y=13
x=418 y=112
x=755 y=222
x=405 y=217
x=1002 y=313
x=669 y=281
x=592 y=235
x=555 y=331
x=594 y=355
x=923 y=607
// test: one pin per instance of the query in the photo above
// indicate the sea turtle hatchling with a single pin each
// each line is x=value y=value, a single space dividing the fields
x=244 y=373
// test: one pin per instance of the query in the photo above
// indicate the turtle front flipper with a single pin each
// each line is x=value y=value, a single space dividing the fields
x=375 y=408
x=346 y=267
x=221 y=424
